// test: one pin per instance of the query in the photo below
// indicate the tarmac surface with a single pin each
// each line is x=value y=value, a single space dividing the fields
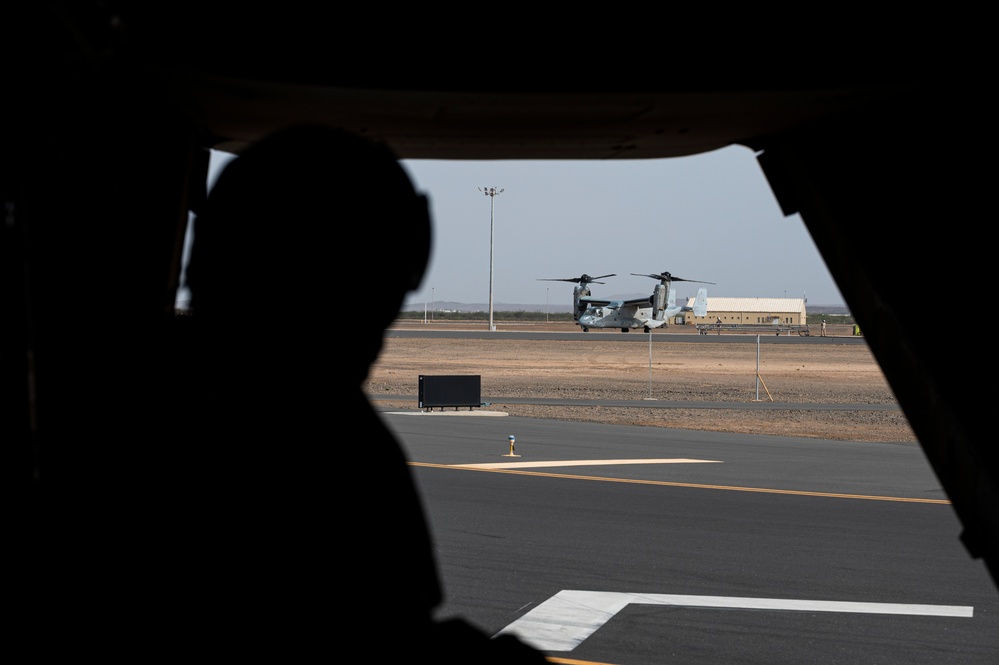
x=802 y=386
x=604 y=543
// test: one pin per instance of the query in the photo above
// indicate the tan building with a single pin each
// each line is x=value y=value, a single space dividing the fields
x=749 y=311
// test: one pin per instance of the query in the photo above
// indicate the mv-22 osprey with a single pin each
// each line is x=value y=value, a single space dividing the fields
x=647 y=313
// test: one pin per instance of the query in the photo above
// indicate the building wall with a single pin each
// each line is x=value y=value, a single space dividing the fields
x=751 y=311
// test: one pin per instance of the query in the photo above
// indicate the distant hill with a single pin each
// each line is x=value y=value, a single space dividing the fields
x=827 y=309
x=448 y=306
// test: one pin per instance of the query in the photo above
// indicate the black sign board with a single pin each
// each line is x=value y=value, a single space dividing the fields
x=450 y=390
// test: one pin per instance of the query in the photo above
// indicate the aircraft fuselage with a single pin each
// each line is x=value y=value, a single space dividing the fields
x=607 y=316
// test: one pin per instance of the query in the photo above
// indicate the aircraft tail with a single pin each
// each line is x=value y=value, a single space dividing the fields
x=701 y=302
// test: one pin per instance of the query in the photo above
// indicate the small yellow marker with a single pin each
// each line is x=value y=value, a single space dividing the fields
x=511 y=440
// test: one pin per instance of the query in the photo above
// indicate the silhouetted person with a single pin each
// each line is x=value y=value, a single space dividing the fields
x=311 y=537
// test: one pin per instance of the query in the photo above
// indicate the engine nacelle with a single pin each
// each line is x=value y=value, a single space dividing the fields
x=578 y=307
x=658 y=299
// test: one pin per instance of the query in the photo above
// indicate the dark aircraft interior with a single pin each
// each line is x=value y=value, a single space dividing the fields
x=110 y=112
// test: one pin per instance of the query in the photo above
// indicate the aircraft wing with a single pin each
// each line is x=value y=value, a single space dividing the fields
x=636 y=302
x=630 y=307
x=617 y=304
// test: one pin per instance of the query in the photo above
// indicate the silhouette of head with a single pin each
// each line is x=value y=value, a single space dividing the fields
x=312 y=230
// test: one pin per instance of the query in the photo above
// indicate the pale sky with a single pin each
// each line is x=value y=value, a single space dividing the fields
x=709 y=217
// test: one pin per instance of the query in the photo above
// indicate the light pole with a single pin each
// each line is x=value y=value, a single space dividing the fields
x=491 y=192
x=433 y=303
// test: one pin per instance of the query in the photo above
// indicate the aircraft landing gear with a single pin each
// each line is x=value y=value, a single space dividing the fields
x=625 y=329
x=648 y=329
x=585 y=329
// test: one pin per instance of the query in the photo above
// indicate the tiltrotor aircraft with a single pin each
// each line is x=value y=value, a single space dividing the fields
x=654 y=311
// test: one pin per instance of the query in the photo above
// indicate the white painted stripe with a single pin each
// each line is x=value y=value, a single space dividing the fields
x=584 y=462
x=563 y=621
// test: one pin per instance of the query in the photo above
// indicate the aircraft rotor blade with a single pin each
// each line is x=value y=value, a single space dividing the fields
x=670 y=278
x=583 y=279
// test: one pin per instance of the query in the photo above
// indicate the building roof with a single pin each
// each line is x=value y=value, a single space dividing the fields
x=768 y=305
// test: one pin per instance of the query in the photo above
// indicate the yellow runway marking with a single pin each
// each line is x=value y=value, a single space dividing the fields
x=585 y=462
x=664 y=483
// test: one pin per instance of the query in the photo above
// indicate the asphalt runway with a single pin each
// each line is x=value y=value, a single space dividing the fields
x=618 y=544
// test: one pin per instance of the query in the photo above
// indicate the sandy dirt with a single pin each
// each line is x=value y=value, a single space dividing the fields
x=799 y=374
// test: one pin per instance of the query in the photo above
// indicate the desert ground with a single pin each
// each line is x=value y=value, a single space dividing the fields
x=800 y=374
